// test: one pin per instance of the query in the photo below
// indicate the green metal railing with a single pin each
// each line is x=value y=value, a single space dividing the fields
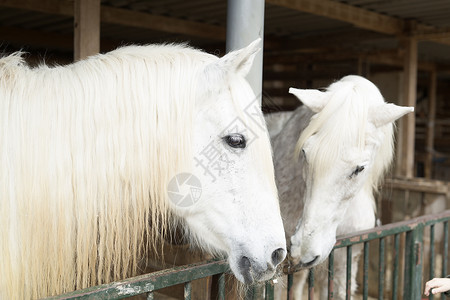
x=413 y=231
x=413 y=257
x=149 y=283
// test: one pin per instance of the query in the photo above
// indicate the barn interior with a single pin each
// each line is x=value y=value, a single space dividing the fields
x=403 y=46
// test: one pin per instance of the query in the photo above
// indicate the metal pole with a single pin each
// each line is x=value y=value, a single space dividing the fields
x=245 y=23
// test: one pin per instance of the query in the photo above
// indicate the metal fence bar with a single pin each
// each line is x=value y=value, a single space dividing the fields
x=413 y=263
x=221 y=286
x=290 y=282
x=381 y=269
x=396 y=266
x=311 y=284
x=331 y=275
x=445 y=257
x=269 y=290
x=187 y=290
x=149 y=282
x=348 y=284
x=431 y=260
x=366 y=271
x=390 y=229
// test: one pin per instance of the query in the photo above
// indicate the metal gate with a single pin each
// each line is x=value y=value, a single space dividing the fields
x=406 y=256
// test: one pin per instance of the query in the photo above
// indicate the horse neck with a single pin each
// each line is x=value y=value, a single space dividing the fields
x=288 y=169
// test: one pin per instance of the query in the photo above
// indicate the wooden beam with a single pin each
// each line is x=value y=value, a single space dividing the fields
x=428 y=33
x=430 y=124
x=405 y=147
x=418 y=185
x=160 y=23
x=126 y=17
x=86 y=28
x=359 y=17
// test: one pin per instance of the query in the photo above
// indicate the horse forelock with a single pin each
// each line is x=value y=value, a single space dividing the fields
x=87 y=152
x=343 y=123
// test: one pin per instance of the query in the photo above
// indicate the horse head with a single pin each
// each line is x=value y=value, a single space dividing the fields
x=345 y=150
x=237 y=213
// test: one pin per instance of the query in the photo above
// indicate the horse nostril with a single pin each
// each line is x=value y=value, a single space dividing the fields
x=244 y=263
x=278 y=256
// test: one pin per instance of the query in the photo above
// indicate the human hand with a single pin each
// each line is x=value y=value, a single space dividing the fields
x=437 y=285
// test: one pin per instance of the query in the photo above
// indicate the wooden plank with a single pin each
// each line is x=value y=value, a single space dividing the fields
x=430 y=124
x=405 y=146
x=359 y=17
x=86 y=28
x=418 y=185
x=428 y=33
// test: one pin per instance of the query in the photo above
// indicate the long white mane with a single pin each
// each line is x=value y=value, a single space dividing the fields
x=109 y=132
x=343 y=123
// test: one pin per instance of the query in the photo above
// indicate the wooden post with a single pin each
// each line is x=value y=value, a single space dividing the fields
x=430 y=124
x=86 y=28
x=405 y=147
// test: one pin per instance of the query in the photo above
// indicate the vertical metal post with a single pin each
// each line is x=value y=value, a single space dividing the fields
x=348 y=285
x=221 y=286
x=290 y=282
x=412 y=288
x=187 y=290
x=311 y=284
x=331 y=275
x=270 y=290
x=396 y=263
x=445 y=253
x=245 y=23
x=366 y=271
x=381 y=269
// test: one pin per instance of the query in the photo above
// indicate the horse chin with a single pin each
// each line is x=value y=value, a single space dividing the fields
x=307 y=259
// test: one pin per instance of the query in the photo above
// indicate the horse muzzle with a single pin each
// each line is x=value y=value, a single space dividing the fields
x=251 y=270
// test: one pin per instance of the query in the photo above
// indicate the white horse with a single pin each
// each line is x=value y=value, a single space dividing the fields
x=345 y=146
x=89 y=150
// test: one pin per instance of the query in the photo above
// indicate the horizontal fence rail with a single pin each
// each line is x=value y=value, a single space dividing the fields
x=413 y=256
x=149 y=283
x=412 y=272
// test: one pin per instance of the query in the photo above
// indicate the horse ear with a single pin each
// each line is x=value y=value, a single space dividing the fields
x=313 y=99
x=240 y=61
x=387 y=113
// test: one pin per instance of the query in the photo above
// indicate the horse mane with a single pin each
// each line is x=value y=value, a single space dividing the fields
x=342 y=119
x=87 y=151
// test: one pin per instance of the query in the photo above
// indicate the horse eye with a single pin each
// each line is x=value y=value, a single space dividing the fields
x=235 y=140
x=304 y=155
x=358 y=170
